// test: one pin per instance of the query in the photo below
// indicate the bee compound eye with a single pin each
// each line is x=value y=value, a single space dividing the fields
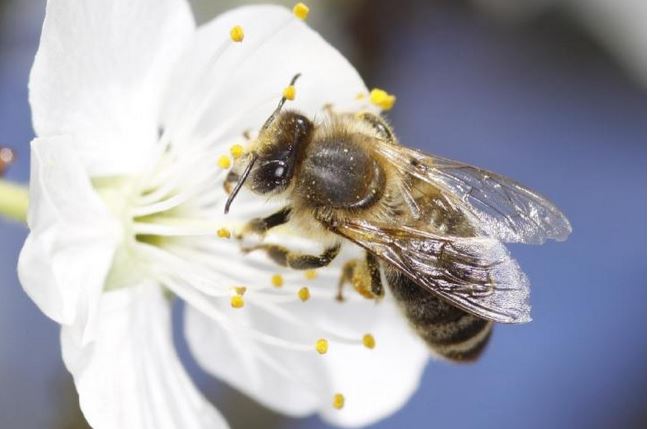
x=270 y=176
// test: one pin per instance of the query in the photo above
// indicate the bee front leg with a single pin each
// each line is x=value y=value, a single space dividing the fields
x=364 y=276
x=296 y=260
x=260 y=226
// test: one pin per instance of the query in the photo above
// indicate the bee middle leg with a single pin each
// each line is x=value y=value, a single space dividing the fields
x=297 y=260
x=364 y=276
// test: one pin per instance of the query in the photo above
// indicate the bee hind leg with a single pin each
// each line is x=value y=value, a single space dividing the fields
x=364 y=276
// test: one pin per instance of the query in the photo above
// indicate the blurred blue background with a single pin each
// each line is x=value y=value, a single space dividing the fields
x=551 y=93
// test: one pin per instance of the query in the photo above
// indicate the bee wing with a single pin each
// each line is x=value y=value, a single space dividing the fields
x=498 y=206
x=476 y=274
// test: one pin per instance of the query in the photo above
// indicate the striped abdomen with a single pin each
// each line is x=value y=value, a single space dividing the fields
x=449 y=331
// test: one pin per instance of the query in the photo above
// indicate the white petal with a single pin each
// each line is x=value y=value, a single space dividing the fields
x=224 y=88
x=252 y=367
x=100 y=71
x=375 y=382
x=130 y=376
x=68 y=253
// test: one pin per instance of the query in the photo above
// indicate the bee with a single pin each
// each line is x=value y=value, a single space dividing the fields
x=432 y=226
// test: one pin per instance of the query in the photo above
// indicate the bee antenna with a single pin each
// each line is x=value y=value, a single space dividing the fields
x=281 y=103
x=240 y=182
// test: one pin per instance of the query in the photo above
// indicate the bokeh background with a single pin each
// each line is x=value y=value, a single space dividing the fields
x=550 y=92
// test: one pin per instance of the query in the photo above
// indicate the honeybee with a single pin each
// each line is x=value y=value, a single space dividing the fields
x=433 y=226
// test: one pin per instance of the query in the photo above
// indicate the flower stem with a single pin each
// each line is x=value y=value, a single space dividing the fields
x=14 y=199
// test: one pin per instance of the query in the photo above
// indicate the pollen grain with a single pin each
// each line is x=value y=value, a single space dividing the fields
x=224 y=162
x=277 y=280
x=338 y=401
x=321 y=346
x=382 y=98
x=303 y=294
x=369 y=341
x=237 y=34
x=236 y=151
x=224 y=233
x=300 y=10
x=289 y=92
x=237 y=301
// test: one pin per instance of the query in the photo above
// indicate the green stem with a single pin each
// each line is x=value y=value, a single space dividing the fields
x=14 y=200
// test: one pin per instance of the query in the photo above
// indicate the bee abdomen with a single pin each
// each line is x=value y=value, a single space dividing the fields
x=448 y=330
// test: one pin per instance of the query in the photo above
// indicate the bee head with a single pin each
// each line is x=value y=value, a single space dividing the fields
x=280 y=145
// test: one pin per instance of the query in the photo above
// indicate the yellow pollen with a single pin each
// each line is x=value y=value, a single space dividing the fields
x=304 y=294
x=277 y=280
x=289 y=92
x=360 y=96
x=310 y=274
x=224 y=162
x=338 y=401
x=224 y=233
x=369 y=341
x=237 y=301
x=321 y=346
x=301 y=10
x=382 y=99
x=236 y=151
x=240 y=290
x=236 y=33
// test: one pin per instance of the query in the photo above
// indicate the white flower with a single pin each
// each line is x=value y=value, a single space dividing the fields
x=133 y=106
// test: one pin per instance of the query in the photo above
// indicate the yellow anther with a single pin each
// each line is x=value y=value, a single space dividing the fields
x=369 y=341
x=303 y=294
x=277 y=280
x=237 y=34
x=240 y=290
x=289 y=92
x=224 y=233
x=321 y=346
x=301 y=10
x=224 y=162
x=382 y=99
x=310 y=274
x=237 y=301
x=338 y=401
x=236 y=151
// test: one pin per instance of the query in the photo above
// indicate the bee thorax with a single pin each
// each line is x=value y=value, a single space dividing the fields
x=340 y=174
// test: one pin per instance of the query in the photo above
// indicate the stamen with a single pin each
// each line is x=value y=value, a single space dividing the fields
x=310 y=274
x=240 y=290
x=382 y=98
x=289 y=92
x=237 y=301
x=224 y=233
x=277 y=280
x=304 y=294
x=338 y=401
x=321 y=346
x=369 y=341
x=236 y=151
x=224 y=162
x=236 y=33
x=301 y=11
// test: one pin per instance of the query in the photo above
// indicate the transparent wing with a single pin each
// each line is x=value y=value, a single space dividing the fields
x=498 y=207
x=476 y=274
